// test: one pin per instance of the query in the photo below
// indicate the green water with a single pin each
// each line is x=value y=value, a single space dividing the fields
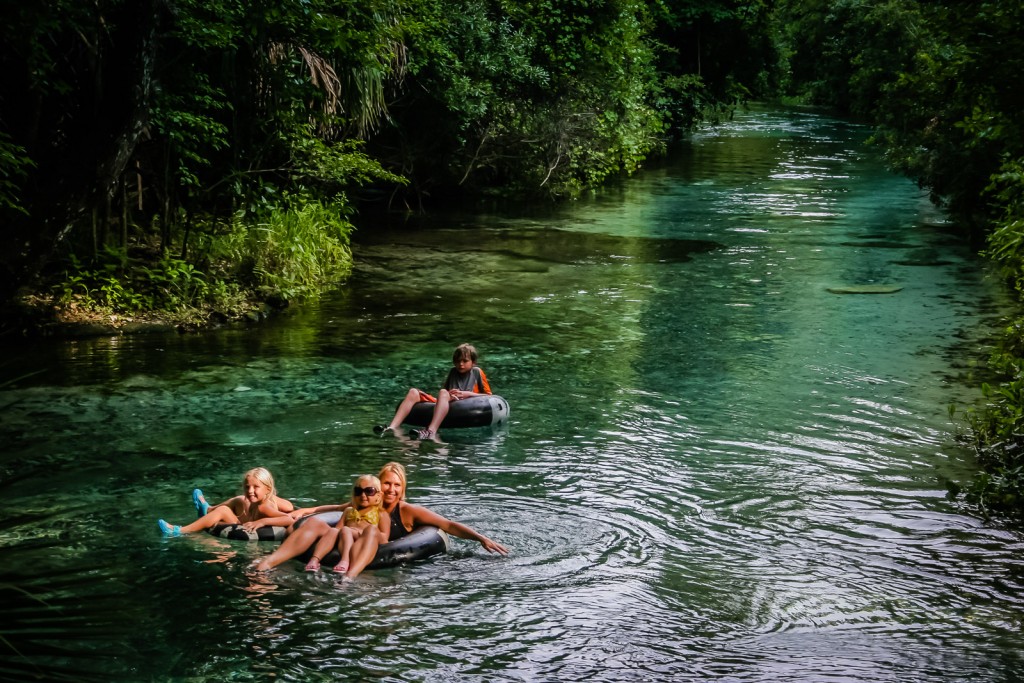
x=716 y=468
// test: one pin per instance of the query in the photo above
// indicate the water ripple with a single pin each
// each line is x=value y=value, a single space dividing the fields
x=716 y=469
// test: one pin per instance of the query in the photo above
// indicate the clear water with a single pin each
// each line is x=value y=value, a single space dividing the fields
x=717 y=469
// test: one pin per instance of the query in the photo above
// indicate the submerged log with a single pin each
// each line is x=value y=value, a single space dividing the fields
x=865 y=289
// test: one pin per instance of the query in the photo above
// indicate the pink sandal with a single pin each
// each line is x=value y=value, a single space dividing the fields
x=313 y=565
x=341 y=568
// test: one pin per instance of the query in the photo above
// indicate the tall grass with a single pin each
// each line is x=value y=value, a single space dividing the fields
x=291 y=253
x=284 y=254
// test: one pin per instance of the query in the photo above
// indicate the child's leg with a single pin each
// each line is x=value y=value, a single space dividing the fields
x=348 y=536
x=323 y=547
x=235 y=503
x=404 y=408
x=440 y=411
x=363 y=551
x=217 y=515
x=297 y=542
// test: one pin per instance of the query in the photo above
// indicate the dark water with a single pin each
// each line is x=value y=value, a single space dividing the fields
x=717 y=468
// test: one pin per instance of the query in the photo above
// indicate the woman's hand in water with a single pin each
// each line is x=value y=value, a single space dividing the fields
x=492 y=546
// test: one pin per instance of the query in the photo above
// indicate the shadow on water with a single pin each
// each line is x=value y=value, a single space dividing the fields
x=545 y=245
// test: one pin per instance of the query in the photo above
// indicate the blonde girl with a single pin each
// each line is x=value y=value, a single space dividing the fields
x=256 y=507
x=365 y=516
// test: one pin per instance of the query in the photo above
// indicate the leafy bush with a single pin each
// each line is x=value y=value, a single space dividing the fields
x=998 y=428
x=14 y=166
x=102 y=287
x=290 y=253
x=998 y=432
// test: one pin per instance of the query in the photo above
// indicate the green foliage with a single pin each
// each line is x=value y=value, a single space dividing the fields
x=951 y=118
x=998 y=428
x=962 y=137
x=208 y=107
x=847 y=54
x=546 y=96
x=99 y=287
x=116 y=284
x=152 y=123
x=291 y=253
x=177 y=284
x=1006 y=243
x=188 y=123
x=14 y=167
x=712 y=55
x=332 y=167
x=998 y=431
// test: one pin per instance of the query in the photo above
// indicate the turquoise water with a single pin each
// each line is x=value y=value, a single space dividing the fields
x=716 y=468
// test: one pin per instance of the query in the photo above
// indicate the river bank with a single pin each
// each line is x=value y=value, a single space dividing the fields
x=33 y=316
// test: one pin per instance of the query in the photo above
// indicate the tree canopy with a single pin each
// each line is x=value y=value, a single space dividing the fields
x=155 y=122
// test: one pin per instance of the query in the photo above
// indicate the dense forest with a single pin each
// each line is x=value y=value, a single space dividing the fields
x=192 y=158
x=172 y=155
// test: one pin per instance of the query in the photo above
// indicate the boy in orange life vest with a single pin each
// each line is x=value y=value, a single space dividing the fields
x=464 y=380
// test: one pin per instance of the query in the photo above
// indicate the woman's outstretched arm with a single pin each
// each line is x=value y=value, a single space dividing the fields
x=422 y=517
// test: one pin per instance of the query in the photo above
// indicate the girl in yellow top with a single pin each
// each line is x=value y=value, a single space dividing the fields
x=366 y=513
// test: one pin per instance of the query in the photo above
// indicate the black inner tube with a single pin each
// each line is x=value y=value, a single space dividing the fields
x=421 y=543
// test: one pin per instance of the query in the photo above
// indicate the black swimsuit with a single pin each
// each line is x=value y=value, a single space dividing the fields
x=398 y=529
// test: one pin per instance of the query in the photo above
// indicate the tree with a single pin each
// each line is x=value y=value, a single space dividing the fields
x=127 y=114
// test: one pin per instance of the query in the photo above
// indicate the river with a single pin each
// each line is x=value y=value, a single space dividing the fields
x=718 y=467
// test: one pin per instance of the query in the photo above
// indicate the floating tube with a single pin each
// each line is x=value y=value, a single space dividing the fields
x=235 y=532
x=476 y=411
x=421 y=543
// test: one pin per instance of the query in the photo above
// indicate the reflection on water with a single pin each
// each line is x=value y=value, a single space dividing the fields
x=717 y=469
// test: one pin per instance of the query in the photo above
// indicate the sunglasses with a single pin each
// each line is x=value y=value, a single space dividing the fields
x=370 y=491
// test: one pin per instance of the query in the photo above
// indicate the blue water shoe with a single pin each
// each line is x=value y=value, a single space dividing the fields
x=202 y=507
x=168 y=529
